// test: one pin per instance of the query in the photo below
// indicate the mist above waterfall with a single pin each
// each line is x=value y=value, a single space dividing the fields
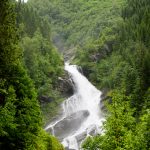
x=81 y=112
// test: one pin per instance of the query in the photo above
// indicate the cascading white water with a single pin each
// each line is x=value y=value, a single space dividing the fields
x=85 y=103
x=86 y=96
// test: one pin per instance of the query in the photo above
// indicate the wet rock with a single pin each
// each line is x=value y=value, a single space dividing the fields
x=45 y=99
x=66 y=86
x=86 y=71
x=81 y=136
x=104 y=98
x=92 y=130
x=104 y=94
x=70 y=124
x=50 y=130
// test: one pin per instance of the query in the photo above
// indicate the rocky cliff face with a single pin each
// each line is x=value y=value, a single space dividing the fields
x=66 y=86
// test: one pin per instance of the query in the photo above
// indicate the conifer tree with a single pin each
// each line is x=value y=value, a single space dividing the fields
x=19 y=108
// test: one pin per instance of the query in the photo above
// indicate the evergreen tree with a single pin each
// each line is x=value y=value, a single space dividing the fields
x=122 y=131
x=20 y=115
x=126 y=67
x=20 y=112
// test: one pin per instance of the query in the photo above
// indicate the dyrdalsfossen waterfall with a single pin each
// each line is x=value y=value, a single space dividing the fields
x=82 y=115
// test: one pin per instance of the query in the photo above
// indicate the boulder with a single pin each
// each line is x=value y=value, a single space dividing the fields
x=70 y=124
x=66 y=86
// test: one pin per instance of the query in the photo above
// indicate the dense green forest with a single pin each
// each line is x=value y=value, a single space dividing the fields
x=41 y=59
x=124 y=69
x=76 y=22
x=109 y=39
x=20 y=114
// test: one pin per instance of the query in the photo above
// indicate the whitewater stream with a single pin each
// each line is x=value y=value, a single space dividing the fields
x=82 y=115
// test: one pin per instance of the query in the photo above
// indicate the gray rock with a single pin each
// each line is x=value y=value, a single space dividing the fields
x=81 y=136
x=45 y=99
x=92 y=130
x=70 y=124
x=65 y=86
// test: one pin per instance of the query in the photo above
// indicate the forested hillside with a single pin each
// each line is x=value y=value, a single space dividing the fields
x=20 y=114
x=109 y=39
x=124 y=70
x=76 y=22
x=41 y=59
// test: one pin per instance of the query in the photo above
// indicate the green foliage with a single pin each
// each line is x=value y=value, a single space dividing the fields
x=52 y=109
x=122 y=132
x=75 y=22
x=9 y=51
x=44 y=66
x=45 y=142
x=29 y=21
x=122 y=65
x=120 y=123
x=41 y=59
x=120 y=57
x=115 y=55
x=20 y=112
x=20 y=115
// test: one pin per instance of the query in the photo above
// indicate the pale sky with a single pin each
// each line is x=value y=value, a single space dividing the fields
x=24 y=0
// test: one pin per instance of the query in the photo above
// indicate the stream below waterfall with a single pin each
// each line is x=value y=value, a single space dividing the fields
x=82 y=115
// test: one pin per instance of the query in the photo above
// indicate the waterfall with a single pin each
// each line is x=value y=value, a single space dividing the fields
x=82 y=116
